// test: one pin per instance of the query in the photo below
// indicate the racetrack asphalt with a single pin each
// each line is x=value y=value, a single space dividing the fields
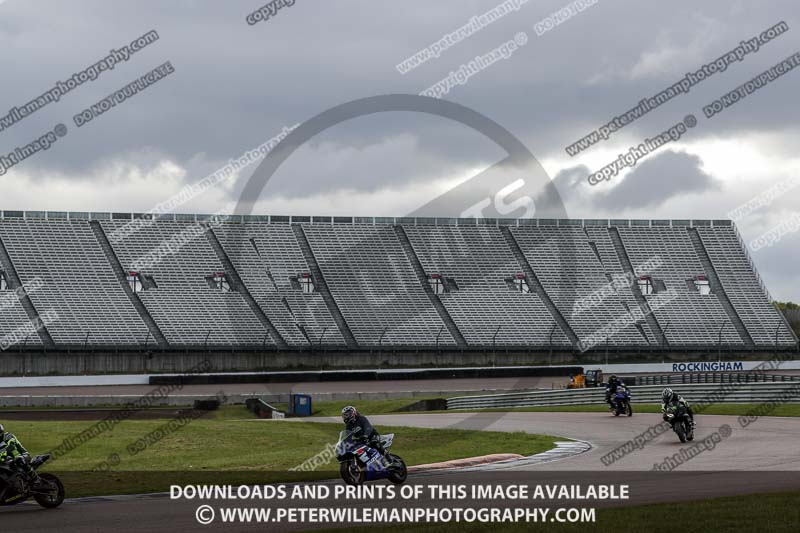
x=763 y=457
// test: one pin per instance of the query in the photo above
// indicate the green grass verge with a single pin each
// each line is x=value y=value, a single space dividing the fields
x=367 y=407
x=776 y=513
x=231 y=450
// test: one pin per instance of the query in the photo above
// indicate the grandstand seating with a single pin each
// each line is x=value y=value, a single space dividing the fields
x=743 y=288
x=78 y=283
x=484 y=305
x=13 y=317
x=691 y=318
x=374 y=284
x=266 y=257
x=370 y=283
x=571 y=272
x=187 y=310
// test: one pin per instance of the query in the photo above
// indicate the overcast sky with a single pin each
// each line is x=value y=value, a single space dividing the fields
x=237 y=85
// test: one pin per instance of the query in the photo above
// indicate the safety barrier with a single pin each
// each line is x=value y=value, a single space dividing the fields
x=708 y=377
x=694 y=393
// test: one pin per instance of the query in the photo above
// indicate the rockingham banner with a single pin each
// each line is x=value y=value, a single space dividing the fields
x=689 y=367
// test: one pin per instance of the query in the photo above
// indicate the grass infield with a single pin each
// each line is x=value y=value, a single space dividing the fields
x=233 y=448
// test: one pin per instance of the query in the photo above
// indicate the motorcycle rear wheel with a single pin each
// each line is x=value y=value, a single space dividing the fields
x=55 y=497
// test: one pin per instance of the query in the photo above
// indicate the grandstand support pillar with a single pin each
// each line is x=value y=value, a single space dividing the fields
x=116 y=266
x=550 y=343
x=14 y=283
x=537 y=287
x=241 y=288
x=322 y=335
x=380 y=343
x=321 y=286
x=416 y=265
x=719 y=341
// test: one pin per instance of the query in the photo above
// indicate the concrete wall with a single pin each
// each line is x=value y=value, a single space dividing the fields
x=76 y=362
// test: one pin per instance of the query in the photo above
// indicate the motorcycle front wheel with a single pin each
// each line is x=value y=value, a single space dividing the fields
x=51 y=491
x=351 y=473
x=680 y=431
x=399 y=471
x=628 y=409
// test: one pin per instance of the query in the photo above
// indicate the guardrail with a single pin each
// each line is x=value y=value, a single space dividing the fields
x=736 y=393
x=708 y=377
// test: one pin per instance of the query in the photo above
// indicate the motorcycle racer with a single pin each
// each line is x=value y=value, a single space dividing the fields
x=670 y=400
x=360 y=428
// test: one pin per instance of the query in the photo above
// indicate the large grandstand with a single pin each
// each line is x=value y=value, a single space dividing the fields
x=124 y=281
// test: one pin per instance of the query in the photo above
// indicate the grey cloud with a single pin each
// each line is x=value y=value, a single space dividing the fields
x=656 y=180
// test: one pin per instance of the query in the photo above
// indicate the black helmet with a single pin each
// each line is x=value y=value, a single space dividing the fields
x=667 y=395
x=349 y=414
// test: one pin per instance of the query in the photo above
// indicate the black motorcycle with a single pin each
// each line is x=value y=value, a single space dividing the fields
x=678 y=418
x=16 y=486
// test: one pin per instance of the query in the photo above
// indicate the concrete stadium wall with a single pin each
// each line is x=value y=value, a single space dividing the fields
x=77 y=362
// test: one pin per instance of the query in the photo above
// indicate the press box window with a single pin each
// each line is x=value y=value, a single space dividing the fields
x=518 y=283
x=303 y=282
x=650 y=285
x=646 y=285
x=219 y=281
x=440 y=284
x=701 y=285
x=135 y=282
x=139 y=282
x=437 y=283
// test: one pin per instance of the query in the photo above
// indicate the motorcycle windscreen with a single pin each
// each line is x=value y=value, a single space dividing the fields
x=387 y=440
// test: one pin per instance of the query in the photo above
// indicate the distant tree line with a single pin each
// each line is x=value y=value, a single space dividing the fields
x=792 y=312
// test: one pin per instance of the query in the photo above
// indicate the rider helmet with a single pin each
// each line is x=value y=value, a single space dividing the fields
x=667 y=395
x=349 y=414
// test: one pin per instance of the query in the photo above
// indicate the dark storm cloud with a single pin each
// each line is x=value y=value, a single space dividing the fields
x=236 y=85
x=656 y=180
x=571 y=182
